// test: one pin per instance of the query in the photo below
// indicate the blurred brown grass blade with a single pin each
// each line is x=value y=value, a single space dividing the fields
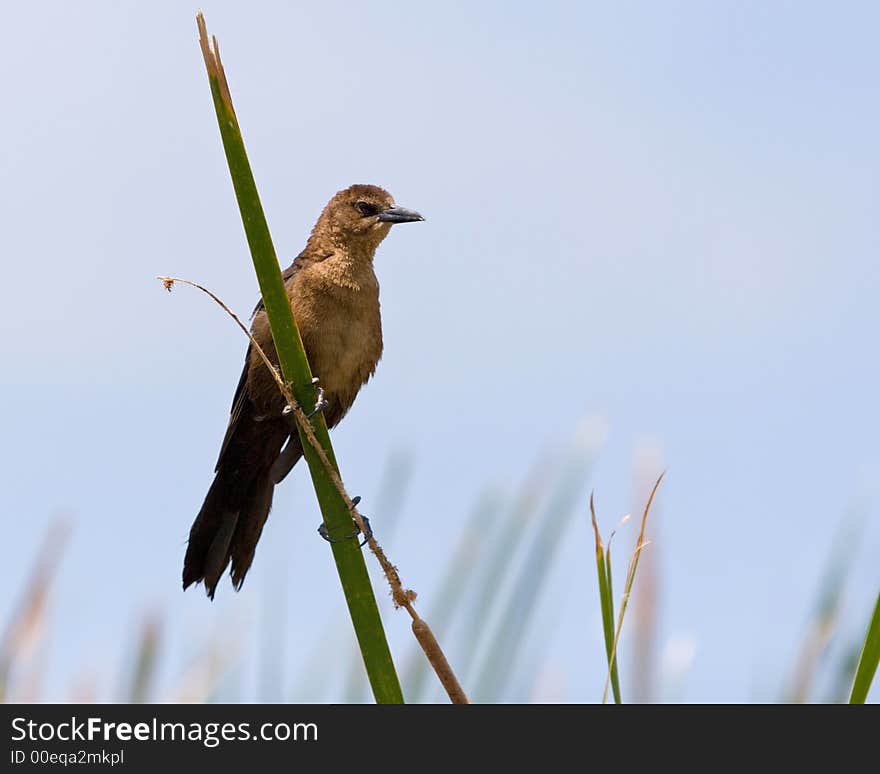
x=24 y=629
x=202 y=678
x=647 y=460
x=85 y=688
x=146 y=655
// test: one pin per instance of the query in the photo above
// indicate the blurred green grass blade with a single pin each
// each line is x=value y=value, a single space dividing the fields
x=868 y=660
x=631 y=576
x=505 y=645
x=609 y=582
x=391 y=493
x=845 y=667
x=826 y=610
x=296 y=372
x=606 y=601
x=456 y=581
x=506 y=542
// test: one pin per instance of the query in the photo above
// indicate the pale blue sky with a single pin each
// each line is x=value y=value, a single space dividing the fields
x=662 y=214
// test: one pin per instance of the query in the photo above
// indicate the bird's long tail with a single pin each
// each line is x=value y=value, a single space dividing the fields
x=230 y=521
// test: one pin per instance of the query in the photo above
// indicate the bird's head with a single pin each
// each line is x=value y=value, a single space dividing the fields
x=360 y=217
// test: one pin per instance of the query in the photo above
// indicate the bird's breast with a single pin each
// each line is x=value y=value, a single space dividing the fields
x=341 y=330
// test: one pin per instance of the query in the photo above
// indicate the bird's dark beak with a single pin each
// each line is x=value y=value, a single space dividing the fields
x=399 y=215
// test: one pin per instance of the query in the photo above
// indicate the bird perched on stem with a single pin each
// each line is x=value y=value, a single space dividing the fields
x=334 y=296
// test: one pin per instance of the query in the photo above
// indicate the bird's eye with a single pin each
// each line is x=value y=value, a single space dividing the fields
x=365 y=208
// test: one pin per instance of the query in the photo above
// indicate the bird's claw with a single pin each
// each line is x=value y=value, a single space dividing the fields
x=320 y=402
x=368 y=534
x=324 y=533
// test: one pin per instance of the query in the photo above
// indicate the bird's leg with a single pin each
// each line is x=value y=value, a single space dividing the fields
x=322 y=530
x=291 y=453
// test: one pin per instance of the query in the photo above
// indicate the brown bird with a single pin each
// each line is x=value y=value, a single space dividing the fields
x=334 y=295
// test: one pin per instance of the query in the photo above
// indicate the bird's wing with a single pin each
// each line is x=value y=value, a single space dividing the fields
x=286 y=275
x=241 y=397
